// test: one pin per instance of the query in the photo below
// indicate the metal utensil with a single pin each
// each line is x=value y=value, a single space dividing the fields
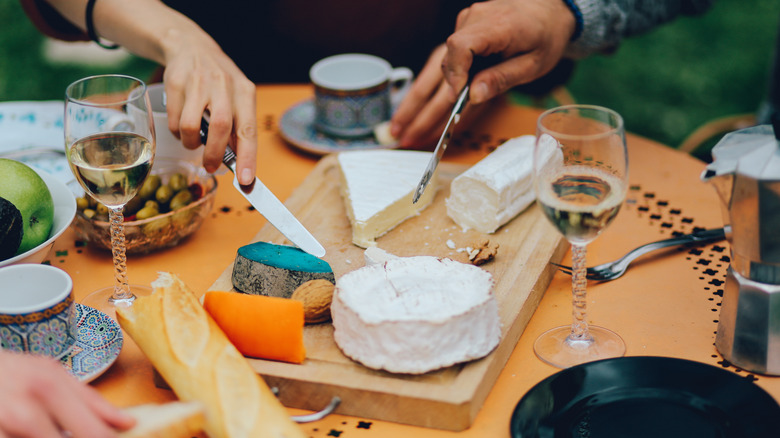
x=479 y=63
x=443 y=142
x=265 y=202
x=612 y=270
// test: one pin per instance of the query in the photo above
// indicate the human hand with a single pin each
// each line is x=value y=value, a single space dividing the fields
x=200 y=77
x=38 y=398
x=531 y=36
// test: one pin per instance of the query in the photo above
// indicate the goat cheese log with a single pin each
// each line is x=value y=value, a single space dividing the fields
x=496 y=189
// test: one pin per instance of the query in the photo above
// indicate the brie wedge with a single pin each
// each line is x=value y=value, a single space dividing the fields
x=377 y=188
x=415 y=314
x=495 y=190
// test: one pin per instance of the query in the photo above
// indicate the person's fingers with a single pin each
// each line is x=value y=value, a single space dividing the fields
x=220 y=127
x=195 y=103
x=245 y=131
x=27 y=419
x=429 y=123
x=174 y=102
x=425 y=86
x=109 y=413
x=65 y=400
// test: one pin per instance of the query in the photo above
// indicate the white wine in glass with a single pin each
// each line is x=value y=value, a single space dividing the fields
x=110 y=143
x=580 y=179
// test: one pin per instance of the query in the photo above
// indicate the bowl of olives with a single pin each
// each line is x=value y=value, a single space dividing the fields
x=171 y=205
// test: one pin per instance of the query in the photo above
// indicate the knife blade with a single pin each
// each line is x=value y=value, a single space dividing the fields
x=441 y=146
x=479 y=63
x=267 y=204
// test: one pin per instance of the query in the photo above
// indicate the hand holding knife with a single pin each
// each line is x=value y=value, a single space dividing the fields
x=265 y=202
x=478 y=64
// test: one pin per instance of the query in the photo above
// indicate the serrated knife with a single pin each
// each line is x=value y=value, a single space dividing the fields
x=479 y=63
x=267 y=204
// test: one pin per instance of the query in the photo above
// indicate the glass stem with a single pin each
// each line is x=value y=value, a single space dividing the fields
x=117 y=231
x=579 y=326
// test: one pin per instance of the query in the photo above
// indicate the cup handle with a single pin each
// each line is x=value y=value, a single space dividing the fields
x=400 y=81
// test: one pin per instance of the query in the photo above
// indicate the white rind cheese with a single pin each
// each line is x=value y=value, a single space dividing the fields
x=377 y=188
x=496 y=189
x=415 y=314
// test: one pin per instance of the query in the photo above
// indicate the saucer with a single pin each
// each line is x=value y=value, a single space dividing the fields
x=98 y=343
x=297 y=128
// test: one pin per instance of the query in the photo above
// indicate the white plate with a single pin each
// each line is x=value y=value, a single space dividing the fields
x=64 y=212
x=98 y=343
x=297 y=128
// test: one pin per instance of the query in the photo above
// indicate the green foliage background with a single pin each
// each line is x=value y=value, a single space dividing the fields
x=665 y=83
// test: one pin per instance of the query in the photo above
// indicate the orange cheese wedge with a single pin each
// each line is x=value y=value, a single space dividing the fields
x=259 y=326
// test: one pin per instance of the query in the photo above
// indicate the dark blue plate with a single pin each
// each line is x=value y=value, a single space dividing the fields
x=640 y=397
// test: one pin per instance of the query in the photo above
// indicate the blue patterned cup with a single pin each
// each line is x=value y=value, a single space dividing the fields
x=37 y=311
x=355 y=92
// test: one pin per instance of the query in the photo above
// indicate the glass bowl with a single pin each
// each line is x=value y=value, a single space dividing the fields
x=160 y=231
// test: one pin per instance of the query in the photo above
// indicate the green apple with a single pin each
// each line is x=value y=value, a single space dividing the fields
x=27 y=191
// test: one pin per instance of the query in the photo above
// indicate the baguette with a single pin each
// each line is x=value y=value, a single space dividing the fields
x=168 y=420
x=199 y=363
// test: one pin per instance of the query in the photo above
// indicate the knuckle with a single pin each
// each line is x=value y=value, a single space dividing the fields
x=247 y=131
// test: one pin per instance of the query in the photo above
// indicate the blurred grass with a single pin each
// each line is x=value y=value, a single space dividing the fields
x=664 y=83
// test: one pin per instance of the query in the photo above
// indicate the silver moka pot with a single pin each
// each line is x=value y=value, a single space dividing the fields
x=746 y=174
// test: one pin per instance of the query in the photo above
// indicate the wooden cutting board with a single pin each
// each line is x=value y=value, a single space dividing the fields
x=445 y=399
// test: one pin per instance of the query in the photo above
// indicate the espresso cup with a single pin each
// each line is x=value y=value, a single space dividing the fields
x=354 y=92
x=37 y=310
x=167 y=146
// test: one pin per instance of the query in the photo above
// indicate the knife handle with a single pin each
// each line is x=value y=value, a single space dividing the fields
x=479 y=63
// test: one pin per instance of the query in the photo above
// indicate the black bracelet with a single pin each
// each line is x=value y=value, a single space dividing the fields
x=91 y=27
x=577 y=19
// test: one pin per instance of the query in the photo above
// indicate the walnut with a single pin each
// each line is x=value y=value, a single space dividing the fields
x=483 y=252
x=316 y=296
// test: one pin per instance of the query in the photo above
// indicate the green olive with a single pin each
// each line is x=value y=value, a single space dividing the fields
x=164 y=194
x=150 y=186
x=89 y=213
x=147 y=212
x=82 y=204
x=153 y=204
x=181 y=199
x=177 y=182
x=101 y=209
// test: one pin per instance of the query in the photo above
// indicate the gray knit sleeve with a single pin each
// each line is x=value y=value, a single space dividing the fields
x=606 y=22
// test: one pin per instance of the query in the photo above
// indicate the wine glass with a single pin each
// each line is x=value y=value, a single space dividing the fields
x=110 y=143
x=580 y=179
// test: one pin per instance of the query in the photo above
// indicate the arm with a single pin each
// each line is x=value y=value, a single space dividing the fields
x=39 y=398
x=607 y=22
x=198 y=74
x=532 y=36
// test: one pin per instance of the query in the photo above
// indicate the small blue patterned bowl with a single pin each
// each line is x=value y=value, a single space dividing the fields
x=37 y=310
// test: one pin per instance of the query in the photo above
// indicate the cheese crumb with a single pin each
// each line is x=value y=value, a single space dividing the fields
x=450 y=244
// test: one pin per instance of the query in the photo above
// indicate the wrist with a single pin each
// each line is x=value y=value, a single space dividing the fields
x=578 y=19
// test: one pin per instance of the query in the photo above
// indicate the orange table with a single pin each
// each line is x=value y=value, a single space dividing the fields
x=664 y=306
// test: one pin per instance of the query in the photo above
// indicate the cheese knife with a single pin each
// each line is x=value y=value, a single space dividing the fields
x=479 y=63
x=265 y=202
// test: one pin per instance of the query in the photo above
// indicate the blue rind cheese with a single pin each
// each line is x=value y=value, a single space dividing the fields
x=269 y=269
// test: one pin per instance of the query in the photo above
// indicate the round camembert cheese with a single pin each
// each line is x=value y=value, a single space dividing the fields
x=415 y=314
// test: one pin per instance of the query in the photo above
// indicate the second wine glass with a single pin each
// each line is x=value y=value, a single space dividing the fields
x=580 y=178
x=110 y=143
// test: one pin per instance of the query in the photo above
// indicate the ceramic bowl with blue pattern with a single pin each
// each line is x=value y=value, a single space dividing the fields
x=37 y=310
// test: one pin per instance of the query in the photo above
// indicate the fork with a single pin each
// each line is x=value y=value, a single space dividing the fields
x=612 y=270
